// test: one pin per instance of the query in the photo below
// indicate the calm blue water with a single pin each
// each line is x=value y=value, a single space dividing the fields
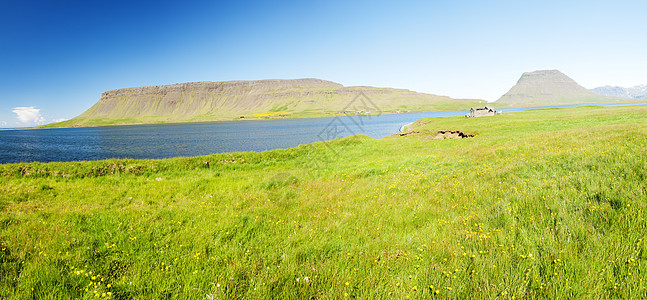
x=172 y=140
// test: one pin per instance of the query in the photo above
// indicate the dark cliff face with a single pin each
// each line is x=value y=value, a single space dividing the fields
x=549 y=87
x=256 y=85
x=186 y=101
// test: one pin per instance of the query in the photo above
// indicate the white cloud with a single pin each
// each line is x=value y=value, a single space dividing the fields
x=29 y=115
x=4 y=124
x=60 y=120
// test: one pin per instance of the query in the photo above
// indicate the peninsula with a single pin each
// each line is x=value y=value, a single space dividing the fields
x=261 y=99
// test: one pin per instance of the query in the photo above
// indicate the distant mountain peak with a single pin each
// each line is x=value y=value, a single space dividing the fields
x=544 y=72
x=549 y=87
x=635 y=92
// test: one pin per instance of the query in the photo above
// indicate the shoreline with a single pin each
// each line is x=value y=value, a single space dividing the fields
x=505 y=106
x=406 y=126
x=401 y=129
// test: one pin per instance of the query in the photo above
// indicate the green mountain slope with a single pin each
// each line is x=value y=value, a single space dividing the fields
x=219 y=101
x=550 y=87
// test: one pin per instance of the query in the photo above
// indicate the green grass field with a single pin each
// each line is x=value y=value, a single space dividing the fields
x=539 y=204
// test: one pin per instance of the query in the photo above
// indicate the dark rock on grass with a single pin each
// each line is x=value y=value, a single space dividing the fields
x=452 y=134
x=440 y=134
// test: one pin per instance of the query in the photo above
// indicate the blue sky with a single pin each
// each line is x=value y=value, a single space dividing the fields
x=56 y=57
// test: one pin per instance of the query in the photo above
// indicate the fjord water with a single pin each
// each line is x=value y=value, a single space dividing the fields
x=173 y=140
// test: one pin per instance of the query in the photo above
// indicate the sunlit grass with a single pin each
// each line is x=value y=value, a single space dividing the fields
x=540 y=204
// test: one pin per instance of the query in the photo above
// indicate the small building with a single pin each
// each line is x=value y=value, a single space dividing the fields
x=481 y=112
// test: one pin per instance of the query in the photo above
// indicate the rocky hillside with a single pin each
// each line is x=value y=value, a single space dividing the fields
x=636 y=92
x=550 y=87
x=217 y=101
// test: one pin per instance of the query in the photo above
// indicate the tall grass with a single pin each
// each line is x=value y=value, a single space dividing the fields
x=540 y=204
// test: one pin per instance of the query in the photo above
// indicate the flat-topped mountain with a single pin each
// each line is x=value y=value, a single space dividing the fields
x=550 y=87
x=229 y=100
x=636 y=92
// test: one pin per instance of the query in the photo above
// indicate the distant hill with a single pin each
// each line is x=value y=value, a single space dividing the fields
x=550 y=87
x=636 y=92
x=233 y=100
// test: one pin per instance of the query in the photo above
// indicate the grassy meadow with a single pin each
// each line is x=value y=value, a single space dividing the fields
x=546 y=203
